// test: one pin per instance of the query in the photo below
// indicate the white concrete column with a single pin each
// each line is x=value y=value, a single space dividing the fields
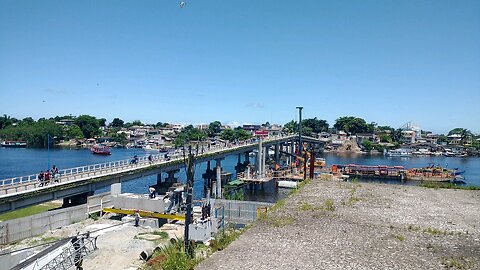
x=259 y=159
x=264 y=158
x=219 y=178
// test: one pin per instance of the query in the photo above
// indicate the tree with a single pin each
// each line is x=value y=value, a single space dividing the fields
x=241 y=134
x=117 y=122
x=367 y=145
x=5 y=121
x=102 y=122
x=161 y=125
x=228 y=135
x=290 y=127
x=89 y=125
x=34 y=134
x=385 y=138
x=188 y=134
x=397 y=135
x=120 y=138
x=463 y=132
x=214 y=128
x=73 y=132
x=137 y=123
x=28 y=120
x=315 y=124
x=353 y=125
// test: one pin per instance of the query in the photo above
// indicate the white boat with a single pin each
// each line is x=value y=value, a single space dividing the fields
x=287 y=184
x=401 y=152
x=149 y=147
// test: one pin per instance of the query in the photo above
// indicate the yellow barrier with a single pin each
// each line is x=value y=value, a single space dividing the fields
x=144 y=213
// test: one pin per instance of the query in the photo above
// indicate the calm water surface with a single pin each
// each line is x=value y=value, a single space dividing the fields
x=18 y=162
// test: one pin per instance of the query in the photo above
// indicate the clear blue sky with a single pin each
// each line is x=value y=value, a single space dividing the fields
x=243 y=61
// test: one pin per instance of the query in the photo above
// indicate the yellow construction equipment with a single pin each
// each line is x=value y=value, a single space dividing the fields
x=143 y=213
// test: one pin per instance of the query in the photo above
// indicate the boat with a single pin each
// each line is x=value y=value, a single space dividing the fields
x=14 y=144
x=430 y=173
x=401 y=152
x=100 y=150
x=150 y=147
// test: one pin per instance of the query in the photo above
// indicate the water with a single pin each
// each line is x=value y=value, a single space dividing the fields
x=24 y=161
x=471 y=165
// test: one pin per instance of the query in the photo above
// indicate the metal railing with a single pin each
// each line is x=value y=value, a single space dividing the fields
x=72 y=174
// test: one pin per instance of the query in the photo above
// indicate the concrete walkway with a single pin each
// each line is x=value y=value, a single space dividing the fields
x=337 y=225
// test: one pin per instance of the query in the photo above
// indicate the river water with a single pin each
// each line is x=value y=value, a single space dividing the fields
x=24 y=161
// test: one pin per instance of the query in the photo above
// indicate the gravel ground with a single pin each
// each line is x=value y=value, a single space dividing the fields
x=338 y=225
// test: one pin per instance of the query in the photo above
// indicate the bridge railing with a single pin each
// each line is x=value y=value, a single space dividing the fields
x=111 y=166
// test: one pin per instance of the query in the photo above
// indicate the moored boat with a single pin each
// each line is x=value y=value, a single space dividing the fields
x=401 y=152
x=14 y=144
x=100 y=150
x=430 y=173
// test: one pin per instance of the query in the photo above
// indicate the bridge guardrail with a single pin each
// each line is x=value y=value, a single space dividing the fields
x=69 y=174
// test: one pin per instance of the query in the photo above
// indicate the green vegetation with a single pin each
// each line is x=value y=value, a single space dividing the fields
x=93 y=216
x=399 y=237
x=309 y=126
x=173 y=255
x=434 y=231
x=447 y=186
x=29 y=211
x=329 y=205
x=214 y=128
x=353 y=125
x=189 y=134
x=457 y=263
x=44 y=240
x=237 y=194
x=236 y=134
x=281 y=221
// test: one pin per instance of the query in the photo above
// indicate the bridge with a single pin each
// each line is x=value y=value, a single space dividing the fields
x=74 y=184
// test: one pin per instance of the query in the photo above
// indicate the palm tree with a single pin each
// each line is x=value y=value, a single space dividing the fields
x=464 y=135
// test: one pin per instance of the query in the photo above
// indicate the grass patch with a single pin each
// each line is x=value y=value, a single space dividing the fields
x=329 y=205
x=399 y=237
x=434 y=231
x=173 y=255
x=279 y=204
x=281 y=221
x=457 y=263
x=304 y=206
x=44 y=240
x=447 y=186
x=29 y=211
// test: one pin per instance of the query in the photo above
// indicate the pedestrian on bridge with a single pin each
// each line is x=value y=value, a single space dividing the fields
x=151 y=190
x=40 y=178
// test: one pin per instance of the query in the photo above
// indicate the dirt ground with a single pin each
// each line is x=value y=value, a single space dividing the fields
x=119 y=247
x=338 y=225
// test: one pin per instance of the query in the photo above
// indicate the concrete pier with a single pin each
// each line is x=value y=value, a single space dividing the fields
x=219 y=177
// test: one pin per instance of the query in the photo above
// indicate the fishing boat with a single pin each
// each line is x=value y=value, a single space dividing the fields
x=14 y=144
x=100 y=150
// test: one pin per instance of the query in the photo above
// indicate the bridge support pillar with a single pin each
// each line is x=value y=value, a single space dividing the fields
x=260 y=159
x=277 y=152
x=247 y=158
x=240 y=167
x=219 y=177
x=207 y=180
x=162 y=187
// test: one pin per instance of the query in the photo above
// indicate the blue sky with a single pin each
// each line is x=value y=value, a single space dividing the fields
x=390 y=62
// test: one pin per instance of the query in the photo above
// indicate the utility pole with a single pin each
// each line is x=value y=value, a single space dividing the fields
x=188 y=216
x=300 y=131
